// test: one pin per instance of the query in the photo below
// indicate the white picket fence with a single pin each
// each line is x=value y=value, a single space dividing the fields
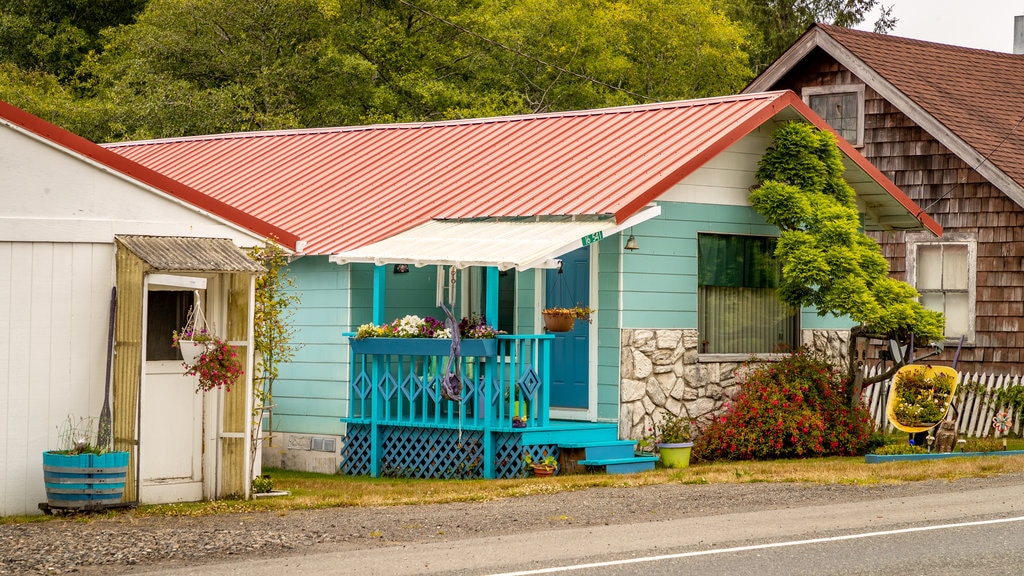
x=974 y=414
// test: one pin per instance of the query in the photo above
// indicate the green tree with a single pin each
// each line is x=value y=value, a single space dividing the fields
x=828 y=263
x=773 y=25
x=593 y=53
x=55 y=37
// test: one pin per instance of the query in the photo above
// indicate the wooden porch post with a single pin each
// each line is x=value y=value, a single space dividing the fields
x=490 y=372
x=379 y=277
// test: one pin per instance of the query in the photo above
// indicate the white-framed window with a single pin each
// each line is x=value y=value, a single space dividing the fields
x=738 y=307
x=944 y=272
x=842 y=106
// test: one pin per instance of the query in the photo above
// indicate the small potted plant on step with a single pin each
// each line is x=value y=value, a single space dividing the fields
x=675 y=440
x=544 y=467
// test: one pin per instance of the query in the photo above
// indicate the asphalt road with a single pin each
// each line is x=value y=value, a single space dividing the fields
x=963 y=532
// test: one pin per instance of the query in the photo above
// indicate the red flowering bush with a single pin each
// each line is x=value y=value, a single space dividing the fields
x=793 y=408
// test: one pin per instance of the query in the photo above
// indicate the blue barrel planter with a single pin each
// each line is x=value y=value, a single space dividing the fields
x=84 y=481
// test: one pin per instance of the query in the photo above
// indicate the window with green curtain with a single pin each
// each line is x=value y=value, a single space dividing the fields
x=738 y=308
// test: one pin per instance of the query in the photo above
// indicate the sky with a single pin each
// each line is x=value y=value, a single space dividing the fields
x=986 y=24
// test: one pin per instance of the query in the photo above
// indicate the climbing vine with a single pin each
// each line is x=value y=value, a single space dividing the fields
x=273 y=331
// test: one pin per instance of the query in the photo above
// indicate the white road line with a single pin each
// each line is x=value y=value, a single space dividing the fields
x=756 y=547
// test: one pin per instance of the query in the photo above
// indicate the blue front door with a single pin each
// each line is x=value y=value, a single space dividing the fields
x=570 y=387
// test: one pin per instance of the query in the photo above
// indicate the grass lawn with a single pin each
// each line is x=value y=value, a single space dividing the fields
x=309 y=490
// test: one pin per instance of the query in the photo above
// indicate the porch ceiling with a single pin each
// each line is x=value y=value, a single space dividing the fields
x=518 y=243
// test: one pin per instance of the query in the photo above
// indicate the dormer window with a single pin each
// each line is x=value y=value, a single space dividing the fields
x=841 y=106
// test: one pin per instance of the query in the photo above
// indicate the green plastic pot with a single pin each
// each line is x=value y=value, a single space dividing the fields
x=675 y=455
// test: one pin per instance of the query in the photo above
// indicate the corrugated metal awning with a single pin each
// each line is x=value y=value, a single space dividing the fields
x=506 y=244
x=189 y=254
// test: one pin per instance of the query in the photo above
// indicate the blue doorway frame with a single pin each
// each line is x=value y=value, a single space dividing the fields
x=570 y=352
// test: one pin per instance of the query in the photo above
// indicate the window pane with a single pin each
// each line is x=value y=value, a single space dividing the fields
x=839 y=110
x=954 y=267
x=745 y=321
x=738 y=307
x=933 y=301
x=956 y=314
x=167 y=311
x=929 y=267
x=506 y=301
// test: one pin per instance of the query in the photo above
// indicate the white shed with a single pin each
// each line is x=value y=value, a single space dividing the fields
x=75 y=221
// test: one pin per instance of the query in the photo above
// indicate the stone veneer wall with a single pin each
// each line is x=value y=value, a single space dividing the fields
x=661 y=371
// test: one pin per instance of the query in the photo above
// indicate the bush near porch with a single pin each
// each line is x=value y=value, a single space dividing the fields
x=796 y=407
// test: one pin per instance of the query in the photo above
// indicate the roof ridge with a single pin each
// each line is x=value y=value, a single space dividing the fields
x=833 y=30
x=631 y=108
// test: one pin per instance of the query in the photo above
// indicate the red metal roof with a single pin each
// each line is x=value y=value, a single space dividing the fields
x=343 y=188
x=17 y=117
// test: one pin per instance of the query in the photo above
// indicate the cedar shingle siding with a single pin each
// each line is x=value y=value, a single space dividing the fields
x=963 y=201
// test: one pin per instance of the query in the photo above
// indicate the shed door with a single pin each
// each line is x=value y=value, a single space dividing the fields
x=171 y=418
x=570 y=386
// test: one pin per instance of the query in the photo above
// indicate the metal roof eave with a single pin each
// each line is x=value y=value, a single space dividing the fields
x=489 y=242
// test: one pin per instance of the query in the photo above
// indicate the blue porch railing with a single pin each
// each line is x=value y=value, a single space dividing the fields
x=395 y=383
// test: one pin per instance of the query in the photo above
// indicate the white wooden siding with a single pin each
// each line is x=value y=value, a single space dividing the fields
x=725 y=179
x=54 y=196
x=54 y=306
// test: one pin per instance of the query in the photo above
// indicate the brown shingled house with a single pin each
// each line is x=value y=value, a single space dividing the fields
x=945 y=124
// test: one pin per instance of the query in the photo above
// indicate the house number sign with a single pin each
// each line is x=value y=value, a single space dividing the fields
x=591 y=238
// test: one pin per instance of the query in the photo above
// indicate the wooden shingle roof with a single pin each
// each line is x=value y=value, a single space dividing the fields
x=970 y=100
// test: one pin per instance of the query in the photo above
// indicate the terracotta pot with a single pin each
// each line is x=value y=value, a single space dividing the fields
x=542 y=470
x=558 y=322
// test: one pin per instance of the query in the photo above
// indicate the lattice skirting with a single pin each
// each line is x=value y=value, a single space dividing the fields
x=408 y=452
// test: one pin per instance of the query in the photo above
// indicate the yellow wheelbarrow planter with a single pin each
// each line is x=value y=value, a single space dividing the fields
x=920 y=396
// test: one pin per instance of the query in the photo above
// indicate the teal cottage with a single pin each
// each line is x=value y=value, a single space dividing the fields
x=638 y=212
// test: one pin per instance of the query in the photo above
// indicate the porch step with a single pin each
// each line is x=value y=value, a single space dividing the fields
x=562 y=432
x=622 y=465
x=615 y=456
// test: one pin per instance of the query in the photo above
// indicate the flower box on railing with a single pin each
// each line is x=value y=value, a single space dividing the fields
x=477 y=347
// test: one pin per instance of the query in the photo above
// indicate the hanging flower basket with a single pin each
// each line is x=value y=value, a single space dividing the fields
x=192 y=350
x=557 y=322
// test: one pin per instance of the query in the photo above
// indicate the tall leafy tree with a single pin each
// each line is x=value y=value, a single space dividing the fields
x=589 y=53
x=773 y=25
x=55 y=37
x=828 y=263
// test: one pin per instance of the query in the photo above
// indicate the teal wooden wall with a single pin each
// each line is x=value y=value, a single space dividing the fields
x=609 y=257
x=658 y=290
x=310 y=394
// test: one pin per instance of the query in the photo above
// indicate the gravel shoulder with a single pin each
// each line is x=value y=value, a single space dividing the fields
x=127 y=542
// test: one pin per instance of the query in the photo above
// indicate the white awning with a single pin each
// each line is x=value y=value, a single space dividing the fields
x=506 y=244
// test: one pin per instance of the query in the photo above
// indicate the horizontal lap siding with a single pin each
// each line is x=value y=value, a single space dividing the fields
x=961 y=200
x=311 y=392
x=53 y=334
x=660 y=288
